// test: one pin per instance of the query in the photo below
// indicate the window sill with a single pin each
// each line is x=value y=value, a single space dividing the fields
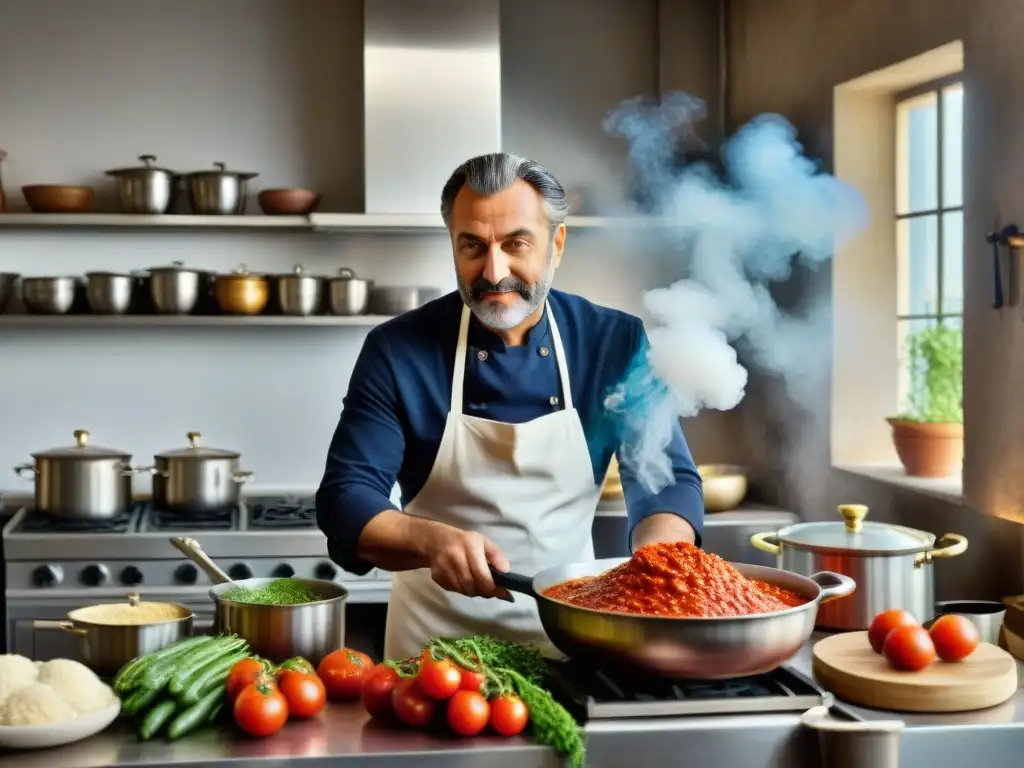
x=946 y=488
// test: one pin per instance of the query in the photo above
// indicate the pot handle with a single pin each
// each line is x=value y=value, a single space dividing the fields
x=948 y=545
x=766 y=542
x=22 y=468
x=514 y=582
x=127 y=470
x=833 y=585
x=242 y=476
x=60 y=626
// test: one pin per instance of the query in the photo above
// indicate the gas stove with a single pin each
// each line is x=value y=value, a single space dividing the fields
x=598 y=694
x=260 y=537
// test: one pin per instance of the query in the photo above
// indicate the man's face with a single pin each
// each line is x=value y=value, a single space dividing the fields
x=505 y=258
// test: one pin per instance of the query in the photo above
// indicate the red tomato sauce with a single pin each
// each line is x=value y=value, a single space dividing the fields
x=675 y=579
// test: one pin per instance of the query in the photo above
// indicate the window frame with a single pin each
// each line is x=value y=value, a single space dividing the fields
x=938 y=88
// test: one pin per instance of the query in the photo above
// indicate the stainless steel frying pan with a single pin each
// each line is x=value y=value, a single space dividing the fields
x=698 y=648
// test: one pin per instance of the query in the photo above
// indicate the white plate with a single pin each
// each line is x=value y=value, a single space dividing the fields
x=57 y=734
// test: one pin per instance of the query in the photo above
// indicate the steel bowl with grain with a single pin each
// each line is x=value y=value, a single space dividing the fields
x=680 y=648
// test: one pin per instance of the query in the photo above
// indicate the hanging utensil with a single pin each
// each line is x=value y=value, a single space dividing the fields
x=3 y=197
x=997 y=240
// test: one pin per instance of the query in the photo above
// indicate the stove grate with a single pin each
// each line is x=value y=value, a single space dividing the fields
x=157 y=519
x=285 y=512
x=38 y=523
x=595 y=693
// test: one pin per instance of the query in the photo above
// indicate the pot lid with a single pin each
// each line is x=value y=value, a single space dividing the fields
x=242 y=273
x=195 y=451
x=81 y=450
x=147 y=165
x=856 y=535
x=174 y=266
x=220 y=169
x=299 y=272
x=346 y=274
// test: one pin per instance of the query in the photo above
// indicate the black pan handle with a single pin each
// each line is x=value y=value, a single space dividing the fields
x=998 y=239
x=514 y=582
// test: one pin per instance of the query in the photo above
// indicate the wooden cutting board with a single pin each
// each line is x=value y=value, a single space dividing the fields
x=845 y=665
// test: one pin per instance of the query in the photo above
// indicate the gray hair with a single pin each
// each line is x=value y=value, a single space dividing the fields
x=496 y=172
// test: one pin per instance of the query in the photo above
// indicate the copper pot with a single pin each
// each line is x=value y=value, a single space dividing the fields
x=241 y=293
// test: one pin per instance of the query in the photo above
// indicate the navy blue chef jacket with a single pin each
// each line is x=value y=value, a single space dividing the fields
x=398 y=399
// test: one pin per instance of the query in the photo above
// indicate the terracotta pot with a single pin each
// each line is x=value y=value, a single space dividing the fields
x=928 y=450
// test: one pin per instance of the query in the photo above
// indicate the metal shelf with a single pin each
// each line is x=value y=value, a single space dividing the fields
x=185 y=321
x=317 y=222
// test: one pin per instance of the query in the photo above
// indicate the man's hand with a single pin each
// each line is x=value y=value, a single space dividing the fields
x=460 y=561
x=663 y=526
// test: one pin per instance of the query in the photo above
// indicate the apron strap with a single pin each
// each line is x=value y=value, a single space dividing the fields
x=461 y=349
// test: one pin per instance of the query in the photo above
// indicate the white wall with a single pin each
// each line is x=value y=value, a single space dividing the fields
x=272 y=86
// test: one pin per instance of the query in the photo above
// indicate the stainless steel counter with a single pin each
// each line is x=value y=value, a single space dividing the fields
x=992 y=737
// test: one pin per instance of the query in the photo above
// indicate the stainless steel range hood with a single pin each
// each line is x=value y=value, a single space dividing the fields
x=431 y=99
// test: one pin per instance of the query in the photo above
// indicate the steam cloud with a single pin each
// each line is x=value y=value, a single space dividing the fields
x=738 y=229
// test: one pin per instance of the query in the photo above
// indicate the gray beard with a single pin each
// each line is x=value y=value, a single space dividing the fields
x=498 y=317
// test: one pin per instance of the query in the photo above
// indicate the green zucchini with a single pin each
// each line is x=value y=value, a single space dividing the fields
x=129 y=675
x=210 y=677
x=196 y=715
x=159 y=672
x=156 y=719
x=139 y=700
x=182 y=675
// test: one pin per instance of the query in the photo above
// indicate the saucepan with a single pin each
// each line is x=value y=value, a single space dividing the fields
x=683 y=648
x=275 y=632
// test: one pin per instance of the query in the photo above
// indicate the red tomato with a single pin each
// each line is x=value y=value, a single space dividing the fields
x=955 y=637
x=468 y=713
x=261 y=709
x=508 y=715
x=886 y=622
x=909 y=649
x=376 y=690
x=342 y=673
x=411 y=703
x=304 y=692
x=472 y=680
x=439 y=678
x=242 y=675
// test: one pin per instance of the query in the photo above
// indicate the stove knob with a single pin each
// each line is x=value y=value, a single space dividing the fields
x=284 y=571
x=95 y=575
x=325 y=571
x=47 y=575
x=240 y=571
x=186 y=574
x=131 y=576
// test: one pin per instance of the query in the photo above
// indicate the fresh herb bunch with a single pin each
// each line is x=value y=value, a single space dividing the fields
x=518 y=669
x=278 y=592
x=936 y=362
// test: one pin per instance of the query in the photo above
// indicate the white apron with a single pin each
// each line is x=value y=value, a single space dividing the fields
x=528 y=487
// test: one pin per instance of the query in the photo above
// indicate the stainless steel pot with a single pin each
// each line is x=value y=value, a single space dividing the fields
x=891 y=564
x=80 y=481
x=8 y=283
x=109 y=293
x=855 y=744
x=218 y=193
x=174 y=289
x=106 y=647
x=275 y=632
x=697 y=648
x=349 y=295
x=396 y=299
x=241 y=292
x=49 y=295
x=146 y=189
x=196 y=479
x=298 y=293
x=986 y=615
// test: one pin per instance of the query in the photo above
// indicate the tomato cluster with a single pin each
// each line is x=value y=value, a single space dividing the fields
x=263 y=698
x=909 y=647
x=436 y=687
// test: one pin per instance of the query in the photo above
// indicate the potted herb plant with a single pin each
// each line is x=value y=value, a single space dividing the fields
x=929 y=434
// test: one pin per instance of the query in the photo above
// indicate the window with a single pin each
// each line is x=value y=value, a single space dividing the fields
x=929 y=211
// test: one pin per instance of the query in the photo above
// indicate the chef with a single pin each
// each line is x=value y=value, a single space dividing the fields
x=487 y=408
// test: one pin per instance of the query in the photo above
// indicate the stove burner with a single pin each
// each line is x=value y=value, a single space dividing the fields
x=168 y=520
x=285 y=512
x=33 y=523
x=596 y=693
